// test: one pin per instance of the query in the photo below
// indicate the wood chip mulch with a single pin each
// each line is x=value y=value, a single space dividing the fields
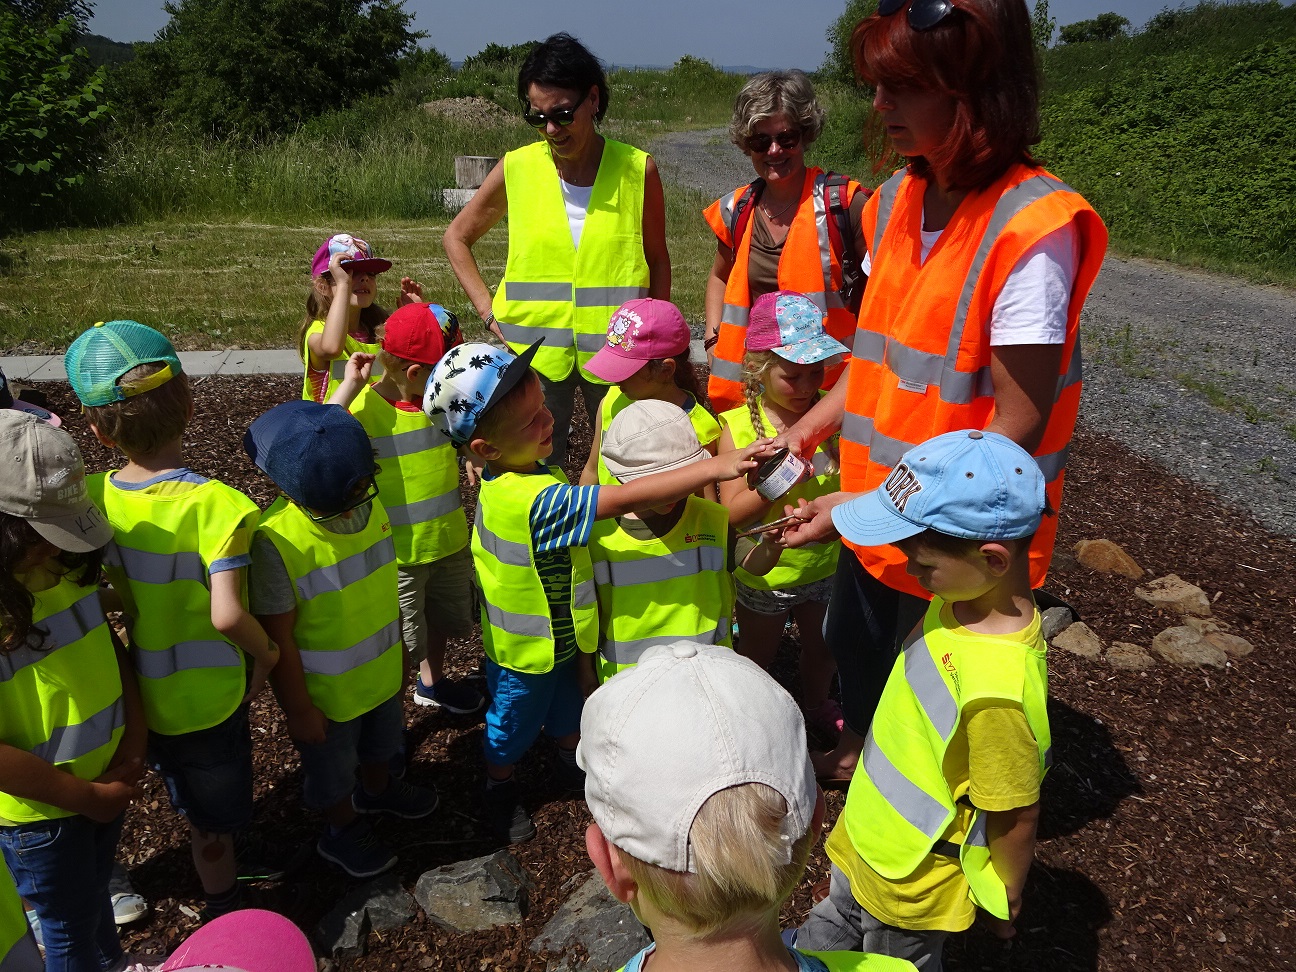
x=1168 y=832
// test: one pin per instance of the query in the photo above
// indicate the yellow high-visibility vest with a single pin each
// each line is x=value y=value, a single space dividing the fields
x=190 y=676
x=661 y=590
x=557 y=291
x=18 y=951
x=348 y=626
x=337 y=367
x=517 y=629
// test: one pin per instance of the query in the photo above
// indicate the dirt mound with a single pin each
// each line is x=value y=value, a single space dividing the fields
x=468 y=111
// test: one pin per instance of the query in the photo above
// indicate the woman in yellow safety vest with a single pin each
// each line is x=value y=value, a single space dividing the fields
x=586 y=225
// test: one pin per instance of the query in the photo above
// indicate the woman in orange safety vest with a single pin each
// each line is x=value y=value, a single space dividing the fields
x=979 y=263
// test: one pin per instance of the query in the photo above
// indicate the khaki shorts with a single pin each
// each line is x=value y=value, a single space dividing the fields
x=437 y=596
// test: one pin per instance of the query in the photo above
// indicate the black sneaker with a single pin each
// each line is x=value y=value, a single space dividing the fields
x=356 y=850
x=505 y=815
x=257 y=859
x=457 y=697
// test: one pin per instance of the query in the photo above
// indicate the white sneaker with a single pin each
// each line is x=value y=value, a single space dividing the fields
x=127 y=905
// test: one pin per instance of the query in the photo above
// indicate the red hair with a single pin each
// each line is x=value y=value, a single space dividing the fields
x=982 y=55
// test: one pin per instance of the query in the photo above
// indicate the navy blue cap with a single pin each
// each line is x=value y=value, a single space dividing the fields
x=317 y=454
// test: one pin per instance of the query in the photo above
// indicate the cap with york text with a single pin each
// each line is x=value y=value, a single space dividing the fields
x=42 y=480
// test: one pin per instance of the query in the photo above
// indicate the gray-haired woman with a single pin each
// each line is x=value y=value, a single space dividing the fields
x=779 y=232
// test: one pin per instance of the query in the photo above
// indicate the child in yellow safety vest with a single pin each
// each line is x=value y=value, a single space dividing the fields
x=708 y=852
x=941 y=814
x=342 y=313
x=663 y=573
x=538 y=602
x=418 y=478
x=324 y=585
x=646 y=357
x=178 y=561
x=783 y=368
x=72 y=733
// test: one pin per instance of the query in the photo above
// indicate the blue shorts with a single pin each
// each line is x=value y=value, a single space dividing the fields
x=523 y=704
x=208 y=773
x=329 y=768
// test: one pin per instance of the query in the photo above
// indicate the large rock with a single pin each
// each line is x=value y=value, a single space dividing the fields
x=1230 y=644
x=1055 y=620
x=380 y=905
x=476 y=895
x=1172 y=593
x=1182 y=645
x=592 y=918
x=1079 y=639
x=1129 y=657
x=1108 y=557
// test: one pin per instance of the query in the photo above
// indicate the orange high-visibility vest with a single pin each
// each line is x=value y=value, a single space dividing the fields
x=808 y=265
x=920 y=363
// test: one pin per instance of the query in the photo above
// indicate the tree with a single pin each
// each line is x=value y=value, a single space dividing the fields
x=49 y=107
x=250 y=68
x=840 y=64
x=500 y=55
x=1104 y=27
x=1042 y=25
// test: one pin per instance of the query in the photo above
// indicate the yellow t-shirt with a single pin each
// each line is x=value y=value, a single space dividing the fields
x=993 y=764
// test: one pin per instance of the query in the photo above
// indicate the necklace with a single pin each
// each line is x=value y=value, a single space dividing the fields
x=769 y=215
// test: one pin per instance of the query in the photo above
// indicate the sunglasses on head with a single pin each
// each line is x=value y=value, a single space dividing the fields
x=559 y=116
x=923 y=14
x=369 y=496
x=761 y=143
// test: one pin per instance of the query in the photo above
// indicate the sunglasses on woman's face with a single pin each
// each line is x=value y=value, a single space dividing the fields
x=923 y=14
x=559 y=116
x=761 y=143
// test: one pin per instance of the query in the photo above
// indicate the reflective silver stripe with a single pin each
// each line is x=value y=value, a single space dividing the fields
x=886 y=193
x=977 y=835
x=64 y=627
x=655 y=570
x=607 y=296
x=407 y=443
x=857 y=428
x=67 y=743
x=1009 y=205
x=922 y=367
x=905 y=797
x=337 y=368
x=869 y=345
x=335 y=577
x=1074 y=373
x=728 y=370
x=930 y=689
x=585 y=593
x=591 y=343
x=521 y=625
x=513 y=290
x=147 y=567
x=554 y=337
x=819 y=462
x=825 y=241
x=1052 y=464
x=505 y=551
x=819 y=300
x=186 y=656
x=1048 y=758
x=733 y=314
x=835 y=301
x=425 y=510
x=886 y=450
x=629 y=652
x=349 y=659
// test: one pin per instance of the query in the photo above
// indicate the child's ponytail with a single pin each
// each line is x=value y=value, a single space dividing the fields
x=755 y=364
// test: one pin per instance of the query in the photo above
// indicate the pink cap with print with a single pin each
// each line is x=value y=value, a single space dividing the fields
x=641 y=330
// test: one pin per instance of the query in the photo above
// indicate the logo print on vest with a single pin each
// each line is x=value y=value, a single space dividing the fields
x=901 y=486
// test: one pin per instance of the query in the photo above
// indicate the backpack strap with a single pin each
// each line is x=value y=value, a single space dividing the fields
x=837 y=202
x=743 y=209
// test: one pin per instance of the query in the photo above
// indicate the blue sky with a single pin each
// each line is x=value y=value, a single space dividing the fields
x=765 y=33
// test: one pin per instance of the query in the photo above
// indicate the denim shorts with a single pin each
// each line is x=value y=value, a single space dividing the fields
x=329 y=768
x=523 y=704
x=62 y=868
x=208 y=773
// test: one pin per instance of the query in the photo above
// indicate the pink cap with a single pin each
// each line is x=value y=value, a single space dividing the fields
x=247 y=941
x=641 y=330
x=357 y=256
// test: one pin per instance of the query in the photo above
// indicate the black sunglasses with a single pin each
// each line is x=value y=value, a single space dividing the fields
x=369 y=496
x=761 y=143
x=923 y=14
x=559 y=116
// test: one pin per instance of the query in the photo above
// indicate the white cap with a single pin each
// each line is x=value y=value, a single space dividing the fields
x=649 y=436
x=658 y=740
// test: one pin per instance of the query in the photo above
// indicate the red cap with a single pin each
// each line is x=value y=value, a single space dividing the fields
x=421 y=333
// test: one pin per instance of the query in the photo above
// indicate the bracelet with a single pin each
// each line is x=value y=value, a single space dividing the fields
x=710 y=342
x=489 y=319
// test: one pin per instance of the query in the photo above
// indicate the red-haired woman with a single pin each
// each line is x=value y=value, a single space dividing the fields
x=980 y=263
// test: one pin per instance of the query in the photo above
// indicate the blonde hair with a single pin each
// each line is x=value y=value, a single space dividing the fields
x=317 y=308
x=144 y=423
x=754 y=367
x=776 y=93
x=740 y=854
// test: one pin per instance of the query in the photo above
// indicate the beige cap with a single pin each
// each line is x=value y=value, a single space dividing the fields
x=649 y=437
x=42 y=480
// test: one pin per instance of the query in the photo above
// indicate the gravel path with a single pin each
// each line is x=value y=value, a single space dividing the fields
x=1192 y=370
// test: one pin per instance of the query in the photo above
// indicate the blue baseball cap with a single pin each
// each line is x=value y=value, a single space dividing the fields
x=970 y=484
x=468 y=381
x=317 y=454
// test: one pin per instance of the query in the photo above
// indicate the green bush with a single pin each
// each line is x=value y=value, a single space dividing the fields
x=1104 y=27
